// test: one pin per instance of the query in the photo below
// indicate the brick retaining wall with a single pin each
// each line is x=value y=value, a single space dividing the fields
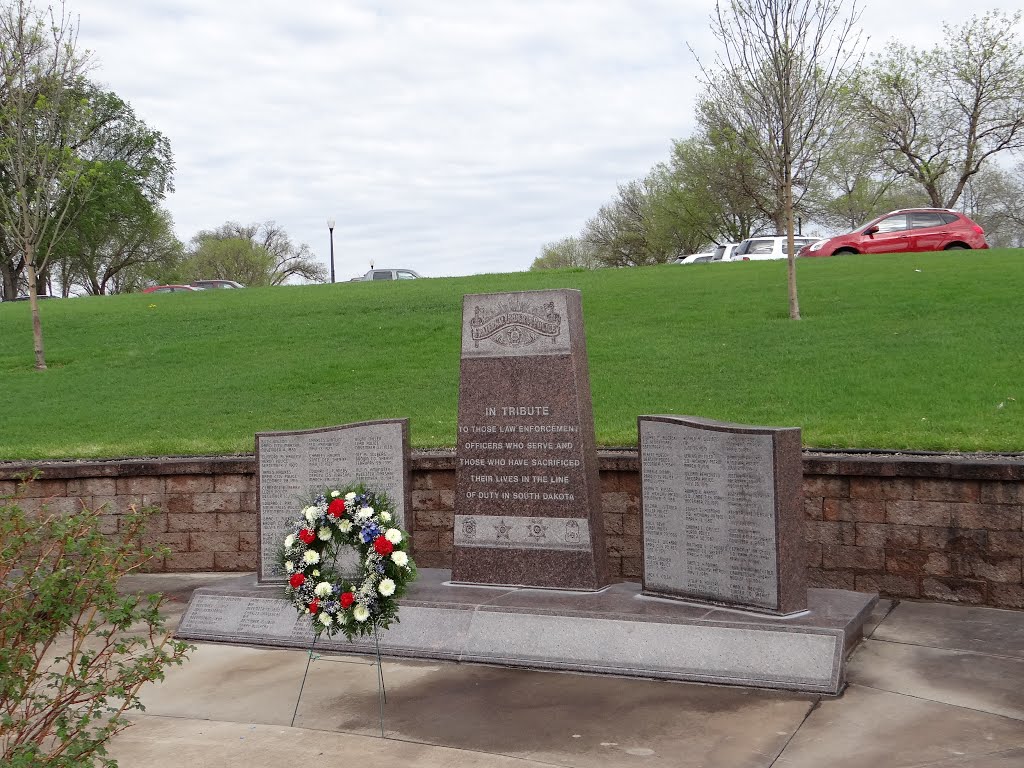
x=940 y=528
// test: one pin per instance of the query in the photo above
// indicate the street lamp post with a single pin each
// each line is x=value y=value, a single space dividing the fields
x=330 y=227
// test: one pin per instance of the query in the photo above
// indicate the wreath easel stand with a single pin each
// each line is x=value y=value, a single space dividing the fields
x=362 y=520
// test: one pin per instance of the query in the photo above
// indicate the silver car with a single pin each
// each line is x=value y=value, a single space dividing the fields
x=390 y=274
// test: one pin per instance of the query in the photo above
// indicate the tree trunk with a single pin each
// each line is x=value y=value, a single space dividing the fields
x=794 y=302
x=9 y=279
x=33 y=298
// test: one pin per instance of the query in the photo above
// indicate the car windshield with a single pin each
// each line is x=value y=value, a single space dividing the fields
x=760 y=246
x=867 y=224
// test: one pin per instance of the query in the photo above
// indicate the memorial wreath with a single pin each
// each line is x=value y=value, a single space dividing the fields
x=363 y=520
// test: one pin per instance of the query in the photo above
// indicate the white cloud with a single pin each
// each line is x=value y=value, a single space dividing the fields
x=450 y=137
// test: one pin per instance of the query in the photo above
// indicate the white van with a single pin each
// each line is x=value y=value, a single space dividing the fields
x=725 y=252
x=762 y=248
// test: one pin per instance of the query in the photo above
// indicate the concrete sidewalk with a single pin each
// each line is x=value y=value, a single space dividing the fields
x=932 y=685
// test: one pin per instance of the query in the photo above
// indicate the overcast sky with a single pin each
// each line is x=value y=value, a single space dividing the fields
x=451 y=137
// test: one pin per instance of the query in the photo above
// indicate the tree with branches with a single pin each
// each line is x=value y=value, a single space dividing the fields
x=253 y=254
x=43 y=120
x=941 y=115
x=777 y=80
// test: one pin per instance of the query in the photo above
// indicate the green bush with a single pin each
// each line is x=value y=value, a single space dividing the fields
x=73 y=651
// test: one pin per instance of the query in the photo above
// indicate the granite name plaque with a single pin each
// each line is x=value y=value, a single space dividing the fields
x=722 y=509
x=294 y=466
x=527 y=501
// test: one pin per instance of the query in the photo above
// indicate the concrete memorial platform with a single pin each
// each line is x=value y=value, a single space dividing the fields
x=615 y=631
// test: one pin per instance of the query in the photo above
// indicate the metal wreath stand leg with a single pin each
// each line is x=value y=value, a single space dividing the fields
x=382 y=694
x=309 y=658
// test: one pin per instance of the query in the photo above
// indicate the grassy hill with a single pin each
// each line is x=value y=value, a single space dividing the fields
x=920 y=351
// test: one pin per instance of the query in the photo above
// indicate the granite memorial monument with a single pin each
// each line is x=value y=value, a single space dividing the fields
x=527 y=498
x=722 y=511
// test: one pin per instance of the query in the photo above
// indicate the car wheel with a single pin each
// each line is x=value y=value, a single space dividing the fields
x=844 y=252
x=957 y=247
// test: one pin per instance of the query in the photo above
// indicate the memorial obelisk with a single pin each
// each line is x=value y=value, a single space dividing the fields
x=527 y=499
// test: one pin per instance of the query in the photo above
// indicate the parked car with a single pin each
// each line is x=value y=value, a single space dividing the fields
x=169 y=289
x=695 y=258
x=906 y=230
x=725 y=252
x=205 y=285
x=389 y=274
x=762 y=248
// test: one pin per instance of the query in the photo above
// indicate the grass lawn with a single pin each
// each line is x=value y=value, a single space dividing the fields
x=910 y=351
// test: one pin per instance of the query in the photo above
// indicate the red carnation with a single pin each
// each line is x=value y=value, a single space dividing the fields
x=383 y=546
x=297 y=580
x=336 y=508
x=347 y=598
x=306 y=536
x=314 y=606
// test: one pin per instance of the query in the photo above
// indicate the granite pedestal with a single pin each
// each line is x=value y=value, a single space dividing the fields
x=615 y=631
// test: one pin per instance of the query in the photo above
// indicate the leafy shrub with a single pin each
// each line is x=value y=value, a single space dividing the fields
x=73 y=651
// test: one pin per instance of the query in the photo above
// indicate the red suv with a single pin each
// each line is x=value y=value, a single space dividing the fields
x=911 y=229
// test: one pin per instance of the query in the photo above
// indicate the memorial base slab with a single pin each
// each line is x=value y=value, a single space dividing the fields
x=617 y=631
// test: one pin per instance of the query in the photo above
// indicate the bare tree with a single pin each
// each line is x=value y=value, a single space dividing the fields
x=255 y=254
x=43 y=120
x=647 y=223
x=941 y=114
x=567 y=253
x=994 y=197
x=777 y=79
x=720 y=185
x=854 y=183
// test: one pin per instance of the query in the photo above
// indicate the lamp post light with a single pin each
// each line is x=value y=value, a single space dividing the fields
x=330 y=227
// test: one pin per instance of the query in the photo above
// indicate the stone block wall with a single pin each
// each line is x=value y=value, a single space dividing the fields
x=930 y=528
x=936 y=528
x=206 y=514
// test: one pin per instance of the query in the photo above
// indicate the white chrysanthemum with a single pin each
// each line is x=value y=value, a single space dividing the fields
x=316 y=571
x=289 y=540
x=393 y=535
x=400 y=558
x=311 y=514
x=386 y=587
x=350 y=496
x=335 y=494
x=323 y=589
x=365 y=513
x=345 y=525
x=385 y=517
x=325 y=619
x=360 y=613
x=289 y=566
x=310 y=557
x=324 y=534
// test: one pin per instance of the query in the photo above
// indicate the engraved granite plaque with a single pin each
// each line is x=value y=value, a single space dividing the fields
x=722 y=510
x=295 y=466
x=527 y=501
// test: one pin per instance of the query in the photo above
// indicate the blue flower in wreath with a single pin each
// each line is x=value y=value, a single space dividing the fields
x=369 y=533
